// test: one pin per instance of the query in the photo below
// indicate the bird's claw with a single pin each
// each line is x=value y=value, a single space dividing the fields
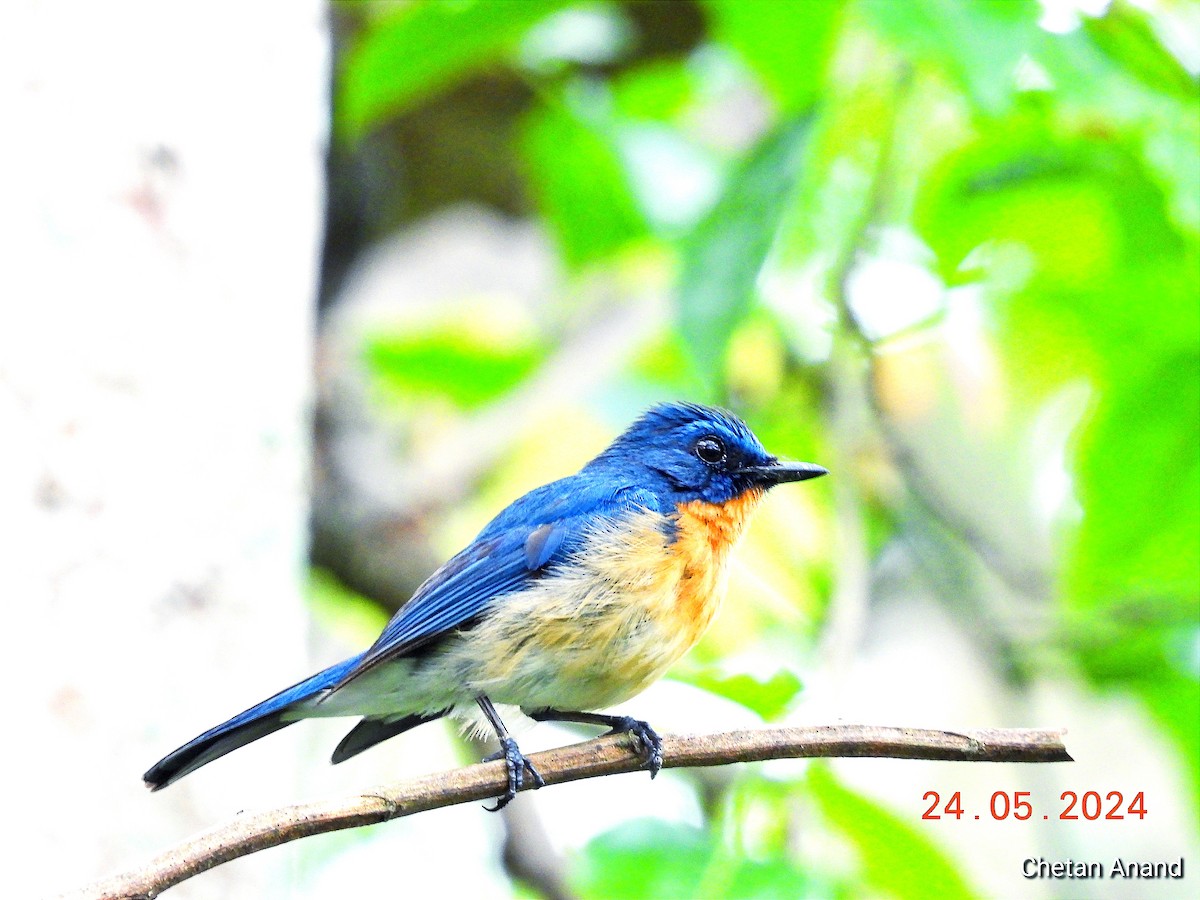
x=517 y=765
x=647 y=740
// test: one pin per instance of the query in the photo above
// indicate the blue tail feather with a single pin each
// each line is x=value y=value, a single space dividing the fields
x=256 y=722
x=369 y=732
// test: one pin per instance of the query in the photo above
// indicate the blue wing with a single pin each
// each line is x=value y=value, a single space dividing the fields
x=526 y=540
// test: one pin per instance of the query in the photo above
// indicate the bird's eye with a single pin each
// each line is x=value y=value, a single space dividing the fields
x=710 y=450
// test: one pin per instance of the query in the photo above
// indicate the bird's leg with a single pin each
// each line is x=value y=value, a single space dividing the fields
x=647 y=739
x=511 y=754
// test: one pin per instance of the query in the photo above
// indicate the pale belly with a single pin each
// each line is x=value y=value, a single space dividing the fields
x=572 y=643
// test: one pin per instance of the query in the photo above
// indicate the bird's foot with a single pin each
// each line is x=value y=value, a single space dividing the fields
x=647 y=740
x=517 y=765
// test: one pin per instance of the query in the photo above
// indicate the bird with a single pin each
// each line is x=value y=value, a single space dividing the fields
x=573 y=599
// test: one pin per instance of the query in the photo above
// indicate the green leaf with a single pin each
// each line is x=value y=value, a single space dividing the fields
x=1022 y=184
x=977 y=42
x=657 y=90
x=1173 y=701
x=787 y=45
x=467 y=368
x=423 y=47
x=770 y=699
x=578 y=180
x=725 y=253
x=660 y=860
x=1138 y=481
x=1075 y=237
x=897 y=859
x=1125 y=35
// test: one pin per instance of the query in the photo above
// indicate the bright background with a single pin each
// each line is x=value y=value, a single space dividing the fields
x=949 y=250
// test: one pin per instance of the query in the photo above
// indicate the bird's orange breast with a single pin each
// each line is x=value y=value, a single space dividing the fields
x=705 y=533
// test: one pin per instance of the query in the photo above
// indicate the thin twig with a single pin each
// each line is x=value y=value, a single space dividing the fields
x=608 y=755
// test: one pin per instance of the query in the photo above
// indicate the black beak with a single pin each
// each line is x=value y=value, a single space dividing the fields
x=783 y=472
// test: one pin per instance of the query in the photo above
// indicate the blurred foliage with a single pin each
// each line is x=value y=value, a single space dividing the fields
x=415 y=48
x=451 y=362
x=769 y=698
x=652 y=859
x=897 y=859
x=578 y=179
x=829 y=184
x=725 y=252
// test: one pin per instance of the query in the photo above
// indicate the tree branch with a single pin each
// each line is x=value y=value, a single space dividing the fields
x=607 y=755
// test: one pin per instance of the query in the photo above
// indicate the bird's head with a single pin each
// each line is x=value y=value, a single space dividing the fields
x=700 y=453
